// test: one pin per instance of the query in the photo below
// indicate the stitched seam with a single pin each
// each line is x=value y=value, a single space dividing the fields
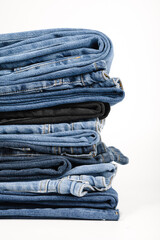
x=41 y=88
x=46 y=185
x=43 y=64
x=105 y=77
x=75 y=95
x=59 y=185
x=96 y=66
x=110 y=182
x=82 y=80
x=40 y=187
x=49 y=128
x=103 y=180
x=39 y=48
x=80 y=189
x=43 y=130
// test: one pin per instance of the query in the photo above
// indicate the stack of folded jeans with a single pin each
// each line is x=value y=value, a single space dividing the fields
x=55 y=93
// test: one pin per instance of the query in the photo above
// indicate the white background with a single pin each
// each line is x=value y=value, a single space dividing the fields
x=132 y=126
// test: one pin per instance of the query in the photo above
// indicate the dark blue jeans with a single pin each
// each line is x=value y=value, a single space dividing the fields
x=18 y=165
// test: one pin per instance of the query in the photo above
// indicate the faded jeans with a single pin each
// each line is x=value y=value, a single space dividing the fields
x=36 y=66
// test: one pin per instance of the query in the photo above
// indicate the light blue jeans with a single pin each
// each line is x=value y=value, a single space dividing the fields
x=36 y=66
x=78 y=134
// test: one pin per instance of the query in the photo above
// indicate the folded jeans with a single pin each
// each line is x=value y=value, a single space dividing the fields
x=44 y=167
x=61 y=213
x=75 y=134
x=58 y=114
x=36 y=66
x=76 y=185
x=95 y=205
x=18 y=157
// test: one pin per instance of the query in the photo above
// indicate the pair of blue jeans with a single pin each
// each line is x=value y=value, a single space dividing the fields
x=77 y=184
x=78 y=138
x=78 y=134
x=36 y=66
x=26 y=167
x=93 y=206
x=36 y=199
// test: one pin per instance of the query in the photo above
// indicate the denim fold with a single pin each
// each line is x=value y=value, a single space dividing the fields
x=34 y=168
x=56 y=66
x=101 y=200
x=77 y=134
x=61 y=213
x=57 y=114
x=42 y=167
x=94 y=205
x=104 y=154
x=76 y=185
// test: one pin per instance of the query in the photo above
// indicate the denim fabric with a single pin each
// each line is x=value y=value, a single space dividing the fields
x=104 y=169
x=57 y=114
x=50 y=165
x=18 y=157
x=25 y=148
x=61 y=213
x=51 y=44
x=47 y=166
x=36 y=66
x=100 y=200
x=75 y=138
x=49 y=135
x=44 y=129
x=96 y=205
x=76 y=185
x=33 y=168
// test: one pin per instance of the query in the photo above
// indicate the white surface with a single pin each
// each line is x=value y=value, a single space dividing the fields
x=132 y=126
